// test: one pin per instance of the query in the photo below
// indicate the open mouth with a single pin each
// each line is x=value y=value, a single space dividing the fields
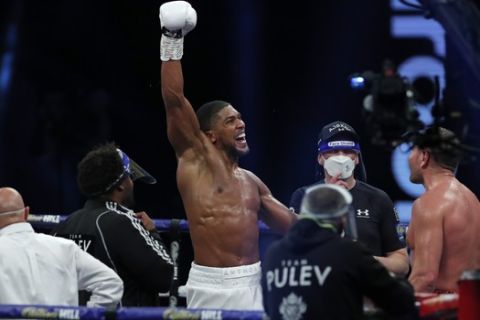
x=241 y=138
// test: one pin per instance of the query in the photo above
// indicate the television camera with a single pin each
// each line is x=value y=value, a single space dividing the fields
x=392 y=118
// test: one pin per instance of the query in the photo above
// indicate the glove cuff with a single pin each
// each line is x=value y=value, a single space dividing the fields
x=171 y=48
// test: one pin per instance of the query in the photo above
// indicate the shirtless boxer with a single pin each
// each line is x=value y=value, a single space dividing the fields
x=223 y=202
x=445 y=226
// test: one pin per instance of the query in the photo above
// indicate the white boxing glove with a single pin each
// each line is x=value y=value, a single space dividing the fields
x=177 y=18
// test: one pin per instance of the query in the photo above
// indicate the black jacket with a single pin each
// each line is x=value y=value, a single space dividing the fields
x=313 y=273
x=112 y=234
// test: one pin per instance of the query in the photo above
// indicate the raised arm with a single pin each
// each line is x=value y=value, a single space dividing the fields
x=428 y=244
x=177 y=18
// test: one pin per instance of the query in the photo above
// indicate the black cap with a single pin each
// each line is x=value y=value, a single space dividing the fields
x=338 y=135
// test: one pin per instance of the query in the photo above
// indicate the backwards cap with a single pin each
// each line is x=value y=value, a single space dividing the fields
x=338 y=136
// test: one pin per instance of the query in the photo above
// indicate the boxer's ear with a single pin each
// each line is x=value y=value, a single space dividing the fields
x=425 y=158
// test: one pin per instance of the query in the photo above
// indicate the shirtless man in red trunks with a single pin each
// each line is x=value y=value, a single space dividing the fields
x=223 y=202
x=444 y=231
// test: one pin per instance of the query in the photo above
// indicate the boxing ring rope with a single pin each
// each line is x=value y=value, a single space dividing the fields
x=144 y=313
x=437 y=307
x=443 y=306
x=173 y=227
x=48 y=221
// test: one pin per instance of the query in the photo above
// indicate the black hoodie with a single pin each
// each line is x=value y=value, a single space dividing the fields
x=313 y=273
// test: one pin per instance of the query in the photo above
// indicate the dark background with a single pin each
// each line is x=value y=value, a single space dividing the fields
x=85 y=72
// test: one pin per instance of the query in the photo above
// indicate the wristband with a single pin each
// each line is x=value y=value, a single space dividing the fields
x=171 y=48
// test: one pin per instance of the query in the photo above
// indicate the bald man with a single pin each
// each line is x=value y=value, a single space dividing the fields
x=41 y=269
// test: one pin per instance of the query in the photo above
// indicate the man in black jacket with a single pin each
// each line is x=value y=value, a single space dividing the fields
x=108 y=229
x=314 y=273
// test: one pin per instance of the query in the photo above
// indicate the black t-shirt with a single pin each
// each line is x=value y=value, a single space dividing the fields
x=375 y=217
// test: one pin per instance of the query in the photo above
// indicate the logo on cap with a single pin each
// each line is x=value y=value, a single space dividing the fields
x=340 y=127
x=333 y=144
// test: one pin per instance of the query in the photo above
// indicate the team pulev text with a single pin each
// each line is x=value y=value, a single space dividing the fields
x=297 y=273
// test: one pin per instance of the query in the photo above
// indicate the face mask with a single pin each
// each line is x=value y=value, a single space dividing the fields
x=342 y=165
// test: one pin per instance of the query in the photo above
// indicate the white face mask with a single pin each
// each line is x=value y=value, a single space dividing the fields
x=342 y=165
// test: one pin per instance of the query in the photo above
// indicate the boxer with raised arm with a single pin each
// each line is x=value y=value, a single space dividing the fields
x=445 y=226
x=223 y=202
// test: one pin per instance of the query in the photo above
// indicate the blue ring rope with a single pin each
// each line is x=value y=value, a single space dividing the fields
x=49 y=221
x=144 y=313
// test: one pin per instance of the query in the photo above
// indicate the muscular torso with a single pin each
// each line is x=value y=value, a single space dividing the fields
x=222 y=207
x=458 y=211
x=222 y=201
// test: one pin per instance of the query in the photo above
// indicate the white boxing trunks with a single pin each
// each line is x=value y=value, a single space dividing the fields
x=233 y=288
